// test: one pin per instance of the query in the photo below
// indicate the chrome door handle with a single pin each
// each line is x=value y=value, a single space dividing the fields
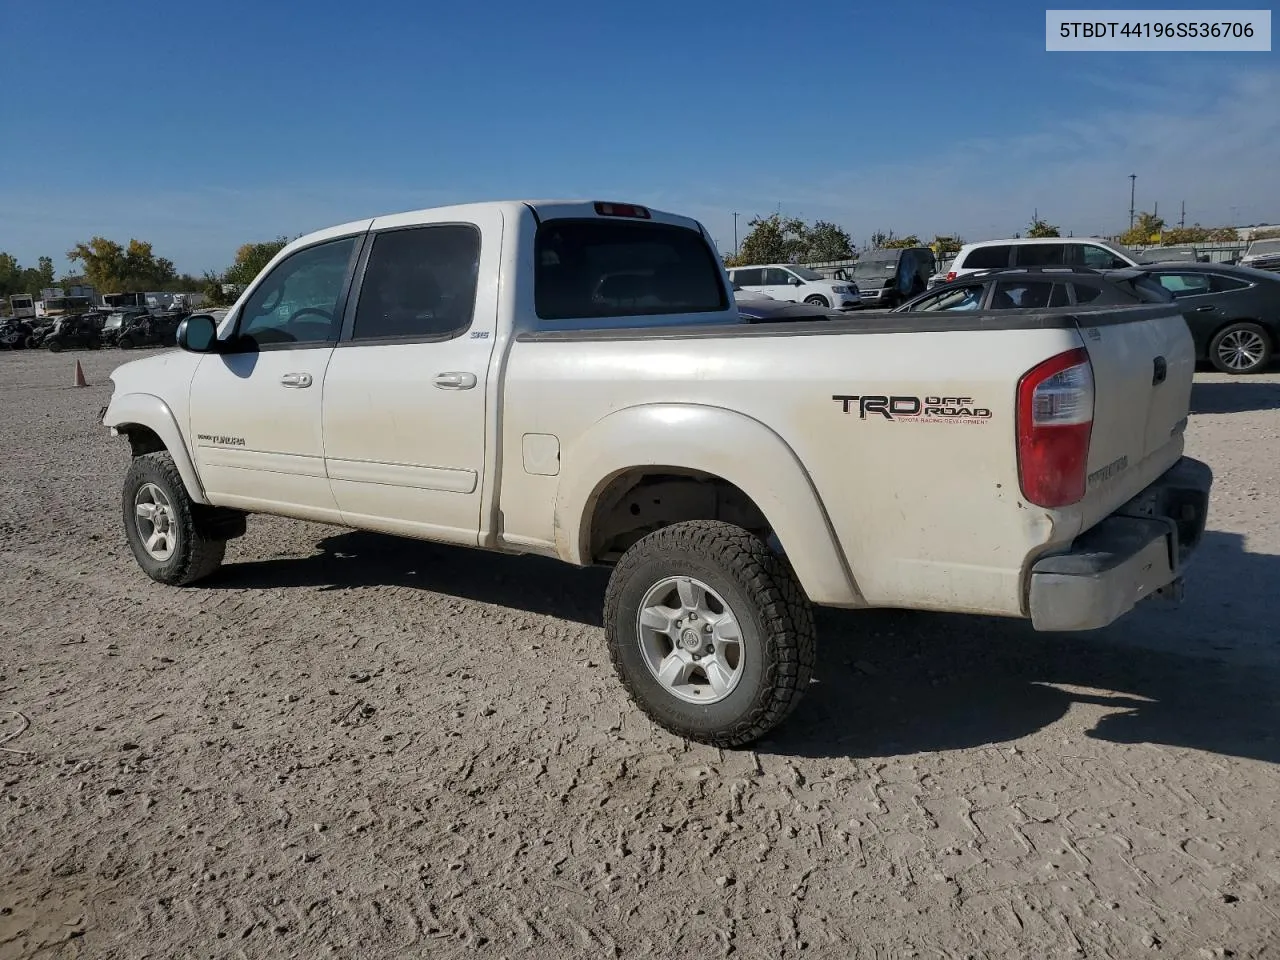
x=296 y=380
x=1207 y=308
x=455 y=381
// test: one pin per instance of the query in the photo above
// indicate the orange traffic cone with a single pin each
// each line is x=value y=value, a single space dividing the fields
x=80 y=380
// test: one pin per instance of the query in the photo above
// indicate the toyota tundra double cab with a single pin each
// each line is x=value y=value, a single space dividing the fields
x=571 y=379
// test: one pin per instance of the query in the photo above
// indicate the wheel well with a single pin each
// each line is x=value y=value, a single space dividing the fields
x=142 y=440
x=638 y=502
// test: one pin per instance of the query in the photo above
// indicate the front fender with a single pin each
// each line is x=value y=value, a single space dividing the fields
x=146 y=410
x=719 y=442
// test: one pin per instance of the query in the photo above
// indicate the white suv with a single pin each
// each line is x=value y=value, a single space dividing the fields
x=1040 y=252
x=796 y=284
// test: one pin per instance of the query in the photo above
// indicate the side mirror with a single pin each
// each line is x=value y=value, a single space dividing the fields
x=797 y=282
x=197 y=334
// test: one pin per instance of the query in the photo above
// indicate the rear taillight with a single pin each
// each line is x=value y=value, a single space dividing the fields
x=951 y=275
x=1055 y=419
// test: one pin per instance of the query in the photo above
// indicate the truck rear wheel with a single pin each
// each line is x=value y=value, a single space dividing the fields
x=709 y=632
x=164 y=526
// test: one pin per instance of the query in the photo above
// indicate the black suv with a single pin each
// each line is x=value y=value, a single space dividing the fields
x=1040 y=288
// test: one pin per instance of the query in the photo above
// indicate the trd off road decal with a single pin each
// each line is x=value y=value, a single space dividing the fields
x=906 y=409
x=221 y=440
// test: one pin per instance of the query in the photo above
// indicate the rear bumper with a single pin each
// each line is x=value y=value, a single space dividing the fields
x=1138 y=551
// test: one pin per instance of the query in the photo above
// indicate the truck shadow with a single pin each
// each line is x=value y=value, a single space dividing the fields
x=1205 y=676
x=1234 y=396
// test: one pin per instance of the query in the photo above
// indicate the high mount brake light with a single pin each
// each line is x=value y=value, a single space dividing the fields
x=622 y=210
x=1055 y=422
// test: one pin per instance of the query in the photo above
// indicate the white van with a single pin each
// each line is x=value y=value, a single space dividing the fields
x=1088 y=252
x=783 y=281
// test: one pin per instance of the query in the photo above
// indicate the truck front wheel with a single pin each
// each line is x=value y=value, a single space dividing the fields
x=169 y=538
x=710 y=632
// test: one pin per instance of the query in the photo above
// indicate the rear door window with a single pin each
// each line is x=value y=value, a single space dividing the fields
x=1022 y=294
x=617 y=268
x=419 y=284
x=1184 y=284
x=986 y=258
x=1039 y=255
x=751 y=277
x=1087 y=292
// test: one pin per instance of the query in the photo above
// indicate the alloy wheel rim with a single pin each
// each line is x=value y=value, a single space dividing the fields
x=690 y=640
x=1241 y=349
x=155 y=520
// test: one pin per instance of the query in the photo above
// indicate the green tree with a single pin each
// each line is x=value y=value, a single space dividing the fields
x=943 y=245
x=251 y=258
x=900 y=243
x=1042 y=228
x=112 y=268
x=1146 y=230
x=1178 y=236
x=14 y=278
x=882 y=238
x=772 y=239
x=826 y=241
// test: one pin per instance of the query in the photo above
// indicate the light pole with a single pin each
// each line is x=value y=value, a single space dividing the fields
x=735 y=233
x=1133 y=182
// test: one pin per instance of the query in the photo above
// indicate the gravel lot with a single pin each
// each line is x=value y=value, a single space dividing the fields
x=352 y=746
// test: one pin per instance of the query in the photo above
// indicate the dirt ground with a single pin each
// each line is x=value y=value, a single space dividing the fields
x=352 y=746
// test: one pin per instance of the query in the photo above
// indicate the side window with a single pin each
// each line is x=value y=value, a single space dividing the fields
x=1220 y=284
x=1039 y=255
x=954 y=297
x=1184 y=284
x=752 y=277
x=1022 y=294
x=776 y=277
x=297 y=302
x=987 y=258
x=1087 y=293
x=419 y=283
x=1100 y=258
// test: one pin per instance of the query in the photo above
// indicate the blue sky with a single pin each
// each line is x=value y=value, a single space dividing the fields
x=199 y=127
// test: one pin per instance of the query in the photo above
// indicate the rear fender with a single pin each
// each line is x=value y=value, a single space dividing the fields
x=146 y=410
x=715 y=441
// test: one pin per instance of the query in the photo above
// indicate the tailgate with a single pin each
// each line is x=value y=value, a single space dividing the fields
x=1143 y=363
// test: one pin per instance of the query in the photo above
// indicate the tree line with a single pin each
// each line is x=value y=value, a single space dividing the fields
x=112 y=267
x=779 y=239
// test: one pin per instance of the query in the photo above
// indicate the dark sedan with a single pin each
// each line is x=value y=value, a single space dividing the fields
x=779 y=311
x=1233 y=312
x=1039 y=288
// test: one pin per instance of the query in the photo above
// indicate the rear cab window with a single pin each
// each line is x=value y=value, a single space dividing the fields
x=600 y=269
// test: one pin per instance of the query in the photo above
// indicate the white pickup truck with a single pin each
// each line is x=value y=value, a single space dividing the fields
x=572 y=380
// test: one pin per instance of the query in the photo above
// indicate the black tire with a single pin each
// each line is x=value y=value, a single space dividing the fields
x=54 y=346
x=199 y=549
x=774 y=618
x=125 y=343
x=1220 y=345
x=817 y=301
